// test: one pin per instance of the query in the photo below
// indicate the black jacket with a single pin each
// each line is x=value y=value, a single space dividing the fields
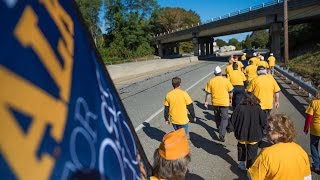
x=248 y=123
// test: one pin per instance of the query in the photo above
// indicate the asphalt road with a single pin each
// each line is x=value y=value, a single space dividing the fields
x=211 y=159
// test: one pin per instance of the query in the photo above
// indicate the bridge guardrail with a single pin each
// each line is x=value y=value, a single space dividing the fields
x=307 y=86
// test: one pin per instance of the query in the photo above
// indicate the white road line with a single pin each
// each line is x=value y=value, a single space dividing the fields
x=161 y=109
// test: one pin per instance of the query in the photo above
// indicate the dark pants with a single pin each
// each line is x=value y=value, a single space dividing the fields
x=221 y=117
x=248 y=153
x=238 y=93
x=314 y=143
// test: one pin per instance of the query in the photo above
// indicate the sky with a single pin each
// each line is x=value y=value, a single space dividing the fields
x=208 y=9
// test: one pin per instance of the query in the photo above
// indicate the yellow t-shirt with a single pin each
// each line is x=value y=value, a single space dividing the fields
x=264 y=87
x=281 y=161
x=255 y=60
x=177 y=100
x=240 y=65
x=219 y=88
x=264 y=64
x=314 y=109
x=272 y=61
x=155 y=178
x=236 y=77
x=229 y=68
x=243 y=57
x=251 y=72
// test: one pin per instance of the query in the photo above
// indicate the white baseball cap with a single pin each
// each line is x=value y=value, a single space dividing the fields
x=217 y=70
x=271 y=54
x=254 y=54
x=262 y=58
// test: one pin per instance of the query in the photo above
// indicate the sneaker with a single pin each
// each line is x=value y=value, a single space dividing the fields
x=222 y=138
x=242 y=166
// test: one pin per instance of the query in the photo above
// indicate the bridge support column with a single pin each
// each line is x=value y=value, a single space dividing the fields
x=202 y=49
x=211 y=48
x=195 y=46
x=160 y=50
x=275 y=32
x=207 y=48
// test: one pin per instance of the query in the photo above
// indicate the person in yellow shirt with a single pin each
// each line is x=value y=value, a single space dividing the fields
x=240 y=65
x=266 y=89
x=313 y=119
x=272 y=63
x=284 y=159
x=243 y=57
x=171 y=159
x=251 y=71
x=238 y=80
x=220 y=90
x=255 y=59
x=263 y=63
x=229 y=67
x=176 y=104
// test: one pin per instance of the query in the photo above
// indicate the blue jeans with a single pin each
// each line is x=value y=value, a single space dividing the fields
x=178 y=126
x=314 y=142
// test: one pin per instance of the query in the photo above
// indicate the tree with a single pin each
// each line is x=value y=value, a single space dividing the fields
x=234 y=42
x=90 y=11
x=259 y=39
x=220 y=42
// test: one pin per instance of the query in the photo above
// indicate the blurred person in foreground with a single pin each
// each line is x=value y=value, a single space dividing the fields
x=313 y=122
x=248 y=122
x=172 y=157
x=284 y=159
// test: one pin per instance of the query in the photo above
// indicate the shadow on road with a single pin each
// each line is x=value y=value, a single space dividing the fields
x=200 y=105
x=209 y=129
x=190 y=176
x=216 y=150
x=153 y=132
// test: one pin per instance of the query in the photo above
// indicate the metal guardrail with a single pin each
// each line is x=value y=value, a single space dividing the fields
x=307 y=86
x=253 y=8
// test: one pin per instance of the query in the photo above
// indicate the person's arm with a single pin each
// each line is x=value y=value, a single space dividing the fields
x=277 y=99
x=191 y=110
x=230 y=97
x=166 y=114
x=307 y=123
x=206 y=100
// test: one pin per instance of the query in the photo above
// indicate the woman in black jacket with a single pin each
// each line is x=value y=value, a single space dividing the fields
x=248 y=122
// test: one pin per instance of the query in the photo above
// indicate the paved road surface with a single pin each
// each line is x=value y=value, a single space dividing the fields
x=211 y=159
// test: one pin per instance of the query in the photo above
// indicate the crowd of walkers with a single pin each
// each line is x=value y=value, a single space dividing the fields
x=252 y=92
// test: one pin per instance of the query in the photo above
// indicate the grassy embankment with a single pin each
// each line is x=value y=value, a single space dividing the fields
x=307 y=66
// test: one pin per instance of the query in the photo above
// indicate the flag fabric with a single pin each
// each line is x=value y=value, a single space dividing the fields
x=60 y=114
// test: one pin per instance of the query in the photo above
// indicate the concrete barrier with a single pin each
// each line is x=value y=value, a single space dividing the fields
x=136 y=68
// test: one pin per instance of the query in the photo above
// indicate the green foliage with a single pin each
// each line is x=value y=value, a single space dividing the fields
x=234 y=42
x=258 y=39
x=168 y=19
x=186 y=47
x=220 y=42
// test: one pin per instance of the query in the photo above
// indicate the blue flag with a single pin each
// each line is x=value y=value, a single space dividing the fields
x=60 y=115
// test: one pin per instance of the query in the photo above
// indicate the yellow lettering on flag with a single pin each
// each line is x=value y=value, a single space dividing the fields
x=29 y=35
x=20 y=148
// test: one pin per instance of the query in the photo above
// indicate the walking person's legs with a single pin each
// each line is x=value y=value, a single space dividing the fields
x=178 y=126
x=224 y=122
x=314 y=142
x=252 y=151
x=242 y=153
x=217 y=115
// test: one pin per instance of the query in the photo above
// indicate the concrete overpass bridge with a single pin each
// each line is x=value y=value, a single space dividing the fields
x=265 y=16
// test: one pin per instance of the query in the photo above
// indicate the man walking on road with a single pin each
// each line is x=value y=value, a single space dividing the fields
x=238 y=81
x=176 y=104
x=272 y=62
x=266 y=89
x=220 y=89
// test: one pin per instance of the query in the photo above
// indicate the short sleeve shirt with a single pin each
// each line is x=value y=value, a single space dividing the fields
x=272 y=61
x=236 y=78
x=219 y=87
x=281 y=161
x=243 y=57
x=314 y=110
x=264 y=87
x=251 y=72
x=264 y=64
x=177 y=100
x=229 y=68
